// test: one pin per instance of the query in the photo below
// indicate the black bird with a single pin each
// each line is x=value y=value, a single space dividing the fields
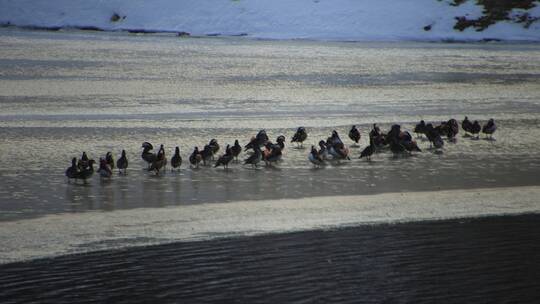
x=452 y=129
x=379 y=139
x=122 y=162
x=206 y=154
x=236 y=149
x=397 y=138
x=396 y=147
x=434 y=137
x=420 y=128
x=315 y=158
x=176 y=160
x=255 y=158
x=225 y=159
x=375 y=131
x=466 y=124
x=195 y=158
x=368 y=151
x=110 y=160
x=489 y=128
x=146 y=155
x=441 y=129
x=83 y=162
x=251 y=144
x=87 y=172
x=259 y=140
x=281 y=142
x=261 y=137
x=393 y=134
x=214 y=145
x=475 y=129
x=299 y=136
x=160 y=162
x=354 y=134
x=72 y=171
x=334 y=138
x=84 y=157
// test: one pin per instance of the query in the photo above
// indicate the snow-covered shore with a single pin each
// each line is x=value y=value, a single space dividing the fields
x=348 y=20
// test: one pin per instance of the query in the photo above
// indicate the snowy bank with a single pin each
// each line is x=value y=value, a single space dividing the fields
x=348 y=20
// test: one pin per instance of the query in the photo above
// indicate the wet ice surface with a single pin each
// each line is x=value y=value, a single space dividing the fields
x=244 y=233
x=64 y=93
x=40 y=187
x=83 y=232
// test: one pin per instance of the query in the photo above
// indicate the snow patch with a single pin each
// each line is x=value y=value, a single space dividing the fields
x=348 y=20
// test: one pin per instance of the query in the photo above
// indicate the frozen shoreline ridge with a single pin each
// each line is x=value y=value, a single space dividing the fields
x=347 y=20
x=86 y=232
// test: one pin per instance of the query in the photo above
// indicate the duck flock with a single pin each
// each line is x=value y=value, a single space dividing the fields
x=333 y=149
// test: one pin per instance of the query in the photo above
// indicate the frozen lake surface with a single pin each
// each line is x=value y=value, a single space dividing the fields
x=68 y=92
x=64 y=93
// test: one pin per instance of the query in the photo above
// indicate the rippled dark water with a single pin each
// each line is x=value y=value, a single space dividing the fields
x=485 y=260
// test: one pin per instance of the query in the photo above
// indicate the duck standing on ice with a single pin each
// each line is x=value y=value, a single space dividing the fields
x=323 y=151
x=87 y=172
x=255 y=158
x=146 y=155
x=160 y=161
x=405 y=140
x=434 y=137
x=378 y=138
x=83 y=162
x=72 y=171
x=225 y=159
x=236 y=150
x=452 y=129
x=110 y=160
x=354 y=135
x=104 y=170
x=466 y=125
x=337 y=149
x=368 y=151
x=315 y=158
x=420 y=128
x=259 y=140
x=176 y=160
x=207 y=155
x=214 y=146
x=489 y=128
x=475 y=129
x=195 y=158
x=280 y=140
x=299 y=137
x=272 y=153
x=122 y=162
